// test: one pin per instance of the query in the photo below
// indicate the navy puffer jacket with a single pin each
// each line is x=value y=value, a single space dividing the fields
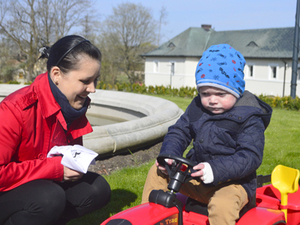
x=231 y=142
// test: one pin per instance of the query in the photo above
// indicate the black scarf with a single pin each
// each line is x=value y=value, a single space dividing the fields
x=70 y=114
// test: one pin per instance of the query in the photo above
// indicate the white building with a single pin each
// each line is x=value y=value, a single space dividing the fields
x=268 y=54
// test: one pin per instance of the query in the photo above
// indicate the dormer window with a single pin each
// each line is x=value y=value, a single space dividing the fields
x=171 y=45
x=252 y=44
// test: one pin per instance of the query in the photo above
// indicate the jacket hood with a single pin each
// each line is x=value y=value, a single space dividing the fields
x=262 y=109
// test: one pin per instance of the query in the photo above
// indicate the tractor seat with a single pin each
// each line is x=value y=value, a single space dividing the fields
x=201 y=208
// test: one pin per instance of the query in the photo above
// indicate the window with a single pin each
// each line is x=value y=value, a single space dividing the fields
x=250 y=73
x=155 y=69
x=273 y=72
x=172 y=66
x=172 y=72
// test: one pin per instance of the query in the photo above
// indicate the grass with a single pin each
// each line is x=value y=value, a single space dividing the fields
x=181 y=102
x=127 y=187
x=281 y=147
x=282 y=141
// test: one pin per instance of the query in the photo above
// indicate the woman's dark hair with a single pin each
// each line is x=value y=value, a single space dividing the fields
x=64 y=53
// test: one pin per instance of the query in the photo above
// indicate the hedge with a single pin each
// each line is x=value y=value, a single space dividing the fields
x=286 y=102
x=140 y=88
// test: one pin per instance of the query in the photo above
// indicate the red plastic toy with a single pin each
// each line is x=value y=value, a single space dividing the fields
x=168 y=208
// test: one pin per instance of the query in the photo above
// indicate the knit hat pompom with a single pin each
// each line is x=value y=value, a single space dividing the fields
x=222 y=66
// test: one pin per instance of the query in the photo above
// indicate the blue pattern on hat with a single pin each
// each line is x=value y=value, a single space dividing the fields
x=222 y=66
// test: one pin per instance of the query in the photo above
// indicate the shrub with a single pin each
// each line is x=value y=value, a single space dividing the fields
x=190 y=92
x=13 y=82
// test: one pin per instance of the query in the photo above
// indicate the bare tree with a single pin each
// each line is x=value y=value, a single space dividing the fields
x=9 y=54
x=46 y=21
x=68 y=14
x=90 y=27
x=162 y=21
x=34 y=23
x=129 y=31
x=110 y=59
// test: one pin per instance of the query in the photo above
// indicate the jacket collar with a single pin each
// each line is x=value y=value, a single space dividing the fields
x=50 y=107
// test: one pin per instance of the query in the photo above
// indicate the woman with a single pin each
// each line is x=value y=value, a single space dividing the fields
x=50 y=112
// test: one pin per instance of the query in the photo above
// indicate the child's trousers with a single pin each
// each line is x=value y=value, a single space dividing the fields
x=224 y=202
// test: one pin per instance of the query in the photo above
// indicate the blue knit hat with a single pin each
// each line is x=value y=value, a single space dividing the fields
x=222 y=66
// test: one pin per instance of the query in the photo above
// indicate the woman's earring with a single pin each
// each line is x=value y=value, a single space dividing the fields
x=56 y=83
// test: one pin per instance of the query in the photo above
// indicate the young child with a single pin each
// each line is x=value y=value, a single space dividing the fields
x=226 y=125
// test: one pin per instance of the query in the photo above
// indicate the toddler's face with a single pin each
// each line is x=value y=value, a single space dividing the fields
x=216 y=100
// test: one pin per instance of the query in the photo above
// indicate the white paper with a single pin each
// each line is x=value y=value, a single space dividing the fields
x=75 y=157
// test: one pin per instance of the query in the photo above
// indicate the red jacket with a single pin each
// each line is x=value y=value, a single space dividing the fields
x=31 y=124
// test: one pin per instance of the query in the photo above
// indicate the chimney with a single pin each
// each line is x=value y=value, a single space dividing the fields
x=206 y=27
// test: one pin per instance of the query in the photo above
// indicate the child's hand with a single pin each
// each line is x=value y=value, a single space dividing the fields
x=163 y=169
x=204 y=172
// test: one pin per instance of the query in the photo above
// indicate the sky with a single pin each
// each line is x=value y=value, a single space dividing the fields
x=222 y=15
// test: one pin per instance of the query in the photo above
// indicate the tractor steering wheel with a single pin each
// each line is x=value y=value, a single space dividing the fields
x=179 y=171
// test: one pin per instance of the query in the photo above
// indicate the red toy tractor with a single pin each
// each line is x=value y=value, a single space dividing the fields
x=272 y=206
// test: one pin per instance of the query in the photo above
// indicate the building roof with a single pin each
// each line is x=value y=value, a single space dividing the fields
x=255 y=43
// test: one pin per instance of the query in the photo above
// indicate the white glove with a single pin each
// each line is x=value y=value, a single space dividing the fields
x=208 y=176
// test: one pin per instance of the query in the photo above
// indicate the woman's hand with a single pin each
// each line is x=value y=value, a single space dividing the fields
x=71 y=175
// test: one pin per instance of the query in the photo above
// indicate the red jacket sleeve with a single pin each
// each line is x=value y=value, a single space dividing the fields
x=12 y=172
x=15 y=174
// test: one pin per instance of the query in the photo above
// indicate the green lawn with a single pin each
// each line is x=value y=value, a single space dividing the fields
x=282 y=147
x=127 y=187
x=282 y=141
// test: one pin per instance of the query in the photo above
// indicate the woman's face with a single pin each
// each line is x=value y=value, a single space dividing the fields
x=77 y=84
